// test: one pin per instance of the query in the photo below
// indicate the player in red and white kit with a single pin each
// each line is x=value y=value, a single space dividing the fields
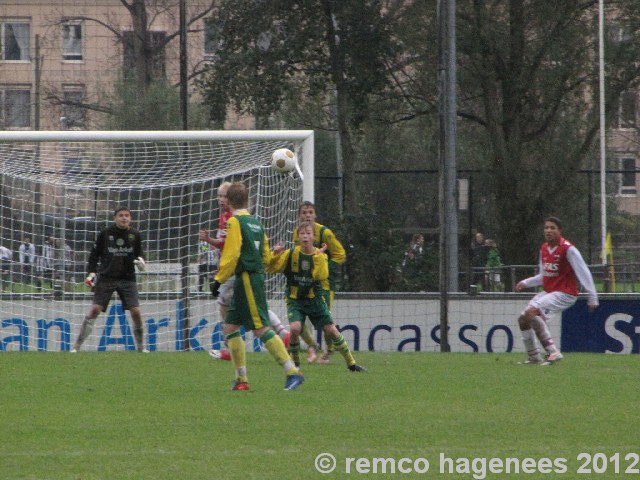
x=225 y=293
x=561 y=268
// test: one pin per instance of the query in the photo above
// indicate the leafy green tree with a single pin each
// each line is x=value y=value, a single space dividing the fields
x=323 y=51
x=528 y=77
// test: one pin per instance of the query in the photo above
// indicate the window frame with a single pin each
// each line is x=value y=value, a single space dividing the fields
x=4 y=22
x=621 y=120
x=626 y=187
x=4 y=89
x=68 y=122
x=73 y=57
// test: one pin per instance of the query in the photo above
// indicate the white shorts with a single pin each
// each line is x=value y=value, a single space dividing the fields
x=226 y=291
x=551 y=303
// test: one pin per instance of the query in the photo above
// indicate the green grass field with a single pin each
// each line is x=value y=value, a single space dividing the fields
x=172 y=416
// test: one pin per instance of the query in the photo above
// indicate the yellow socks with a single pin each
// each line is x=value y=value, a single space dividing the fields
x=274 y=345
x=238 y=355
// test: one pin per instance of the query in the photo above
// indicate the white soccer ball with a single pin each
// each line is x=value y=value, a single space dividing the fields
x=283 y=160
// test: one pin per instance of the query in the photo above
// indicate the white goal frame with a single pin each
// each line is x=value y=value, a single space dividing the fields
x=302 y=138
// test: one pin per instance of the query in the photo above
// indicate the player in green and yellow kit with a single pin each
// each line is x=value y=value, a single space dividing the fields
x=245 y=253
x=307 y=271
x=337 y=256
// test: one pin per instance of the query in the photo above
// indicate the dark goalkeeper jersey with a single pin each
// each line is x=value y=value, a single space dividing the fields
x=115 y=249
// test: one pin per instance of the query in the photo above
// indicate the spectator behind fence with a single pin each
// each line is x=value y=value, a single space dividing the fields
x=48 y=260
x=27 y=258
x=478 y=259
x=494 y=262
x=415 y=250
x=6 y=256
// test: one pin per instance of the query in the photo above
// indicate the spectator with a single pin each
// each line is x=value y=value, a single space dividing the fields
x=478 y=259
x=64 y=259
x=48 y=260
x=415 y=250
x=494 y=262
x=6 y=256
x=27 y=258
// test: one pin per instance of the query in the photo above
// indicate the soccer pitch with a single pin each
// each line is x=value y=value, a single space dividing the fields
x=123 y=415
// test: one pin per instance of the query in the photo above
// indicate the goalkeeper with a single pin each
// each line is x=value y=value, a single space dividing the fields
x=118 y=251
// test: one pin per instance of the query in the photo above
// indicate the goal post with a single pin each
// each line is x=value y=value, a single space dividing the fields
x=59 y=188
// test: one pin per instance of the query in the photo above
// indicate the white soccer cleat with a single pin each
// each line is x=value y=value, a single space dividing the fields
x=552 y=358
x=537 y=360
x=73 y=350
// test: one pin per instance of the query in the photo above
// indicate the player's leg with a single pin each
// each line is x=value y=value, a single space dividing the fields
x=278 y=327
x=529 y=335
x=138 y=329
x=102 y=292
x=87 y=326
x=224 y=300
x=128 y=293
x=235 y=343
x=294 y=342
x=328 y=340
x=254 y=300
x=312 y=345
x=548 y=305
x=339 y=342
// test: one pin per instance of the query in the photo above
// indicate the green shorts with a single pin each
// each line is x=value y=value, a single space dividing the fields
x=315 y=309
x=248 y=307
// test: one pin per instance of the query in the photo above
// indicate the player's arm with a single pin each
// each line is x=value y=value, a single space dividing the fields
x=204 y=236
x=337 y=251
x=320 y=265
x=278 y=262
x=584 y=275
x=534 y=281
x=231 y=252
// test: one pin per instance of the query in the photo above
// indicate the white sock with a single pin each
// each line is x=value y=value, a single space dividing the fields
x=276 y=325
x=530 y=344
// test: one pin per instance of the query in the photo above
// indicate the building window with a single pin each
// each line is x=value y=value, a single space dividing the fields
x=628 y=176
x=15 y=109
x=72 y=40
x=15 y=40
x=212 y=38
x=626 y=115
x=74 y=116
x=155 y=42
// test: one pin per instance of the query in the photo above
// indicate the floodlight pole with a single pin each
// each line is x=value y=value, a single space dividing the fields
x=447 y=188
x=603 y=141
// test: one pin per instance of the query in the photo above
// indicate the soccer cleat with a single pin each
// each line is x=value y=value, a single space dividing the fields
x=325 y=357
x=286 y=340
x=293 y=381
x=220 y=354
x=312 y=354
x=552 y=358
x=144 y=350
x=532 y=361
x=356 y=368
x=238 y=385
x=73 y=350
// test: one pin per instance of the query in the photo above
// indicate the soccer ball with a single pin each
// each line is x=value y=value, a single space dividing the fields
x=283 y=160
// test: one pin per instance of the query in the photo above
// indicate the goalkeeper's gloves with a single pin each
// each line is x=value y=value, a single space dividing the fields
x=90 y=281
x=139 y=262
x=215 y=289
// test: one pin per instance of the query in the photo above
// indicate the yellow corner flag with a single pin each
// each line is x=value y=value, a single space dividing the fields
x=608 y=250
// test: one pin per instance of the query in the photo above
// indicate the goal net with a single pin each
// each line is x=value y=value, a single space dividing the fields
x=59 y=189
